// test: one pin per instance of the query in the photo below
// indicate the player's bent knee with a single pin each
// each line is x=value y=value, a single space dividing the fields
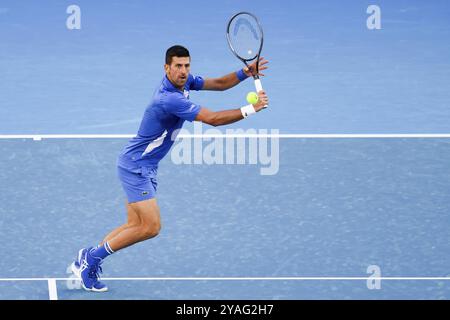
x=151 y=230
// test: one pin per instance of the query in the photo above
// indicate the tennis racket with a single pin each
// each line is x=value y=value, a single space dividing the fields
x=245 y=38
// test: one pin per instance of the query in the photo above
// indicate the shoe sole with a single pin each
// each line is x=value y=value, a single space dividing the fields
x=80 y=253
x=93 y=289
x=75 y=270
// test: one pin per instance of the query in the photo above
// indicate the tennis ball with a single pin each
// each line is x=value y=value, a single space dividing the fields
x=252 y=97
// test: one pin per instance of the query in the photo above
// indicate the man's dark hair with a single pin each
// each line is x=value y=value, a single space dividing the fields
x=176 y=51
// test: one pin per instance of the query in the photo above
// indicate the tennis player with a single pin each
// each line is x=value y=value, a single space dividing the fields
x=138 y=163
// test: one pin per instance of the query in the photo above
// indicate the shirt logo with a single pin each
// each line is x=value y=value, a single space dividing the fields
x=186 y=94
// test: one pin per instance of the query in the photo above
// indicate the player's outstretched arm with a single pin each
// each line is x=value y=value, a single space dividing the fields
x=232 y=79
x=220 y=118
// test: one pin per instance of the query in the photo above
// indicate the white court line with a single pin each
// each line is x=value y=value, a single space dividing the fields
x=205 y=136
x=52 y=292
x=239 y=279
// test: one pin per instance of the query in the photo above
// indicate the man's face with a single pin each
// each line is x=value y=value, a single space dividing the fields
x=178 y=71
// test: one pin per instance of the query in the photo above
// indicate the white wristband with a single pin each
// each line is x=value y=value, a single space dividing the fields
x=247 y=110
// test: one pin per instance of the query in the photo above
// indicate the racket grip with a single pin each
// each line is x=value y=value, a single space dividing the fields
x=258 y=85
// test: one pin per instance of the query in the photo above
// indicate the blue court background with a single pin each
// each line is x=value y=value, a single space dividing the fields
x=335 y=207
x=329 y=73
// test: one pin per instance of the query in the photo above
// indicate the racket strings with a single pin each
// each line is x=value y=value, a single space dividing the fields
x=245 y=37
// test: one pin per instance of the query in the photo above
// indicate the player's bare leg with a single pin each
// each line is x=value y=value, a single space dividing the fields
x=133 y=219
x=146 y=226
x=143 y=223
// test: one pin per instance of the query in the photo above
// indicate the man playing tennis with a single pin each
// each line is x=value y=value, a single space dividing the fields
x=138 y=163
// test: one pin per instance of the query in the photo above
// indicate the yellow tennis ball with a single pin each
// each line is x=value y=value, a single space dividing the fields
x=252 y=97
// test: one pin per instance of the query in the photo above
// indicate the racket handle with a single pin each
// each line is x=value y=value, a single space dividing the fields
x=259 y=87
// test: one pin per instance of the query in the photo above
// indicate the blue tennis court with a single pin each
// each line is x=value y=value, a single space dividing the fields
x=346 y=171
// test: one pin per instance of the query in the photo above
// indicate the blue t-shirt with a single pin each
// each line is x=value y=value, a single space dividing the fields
x=169 y=108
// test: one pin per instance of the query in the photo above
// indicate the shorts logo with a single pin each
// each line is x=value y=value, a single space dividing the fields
x=145 y=193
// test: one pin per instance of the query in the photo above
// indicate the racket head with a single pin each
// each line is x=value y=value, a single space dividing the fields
x=245 y=37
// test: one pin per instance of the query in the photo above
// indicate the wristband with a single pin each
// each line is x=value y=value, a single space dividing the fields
x=247 y=110
x=241 y=75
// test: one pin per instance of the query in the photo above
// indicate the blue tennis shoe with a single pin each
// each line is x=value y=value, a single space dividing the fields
x=88 y=269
